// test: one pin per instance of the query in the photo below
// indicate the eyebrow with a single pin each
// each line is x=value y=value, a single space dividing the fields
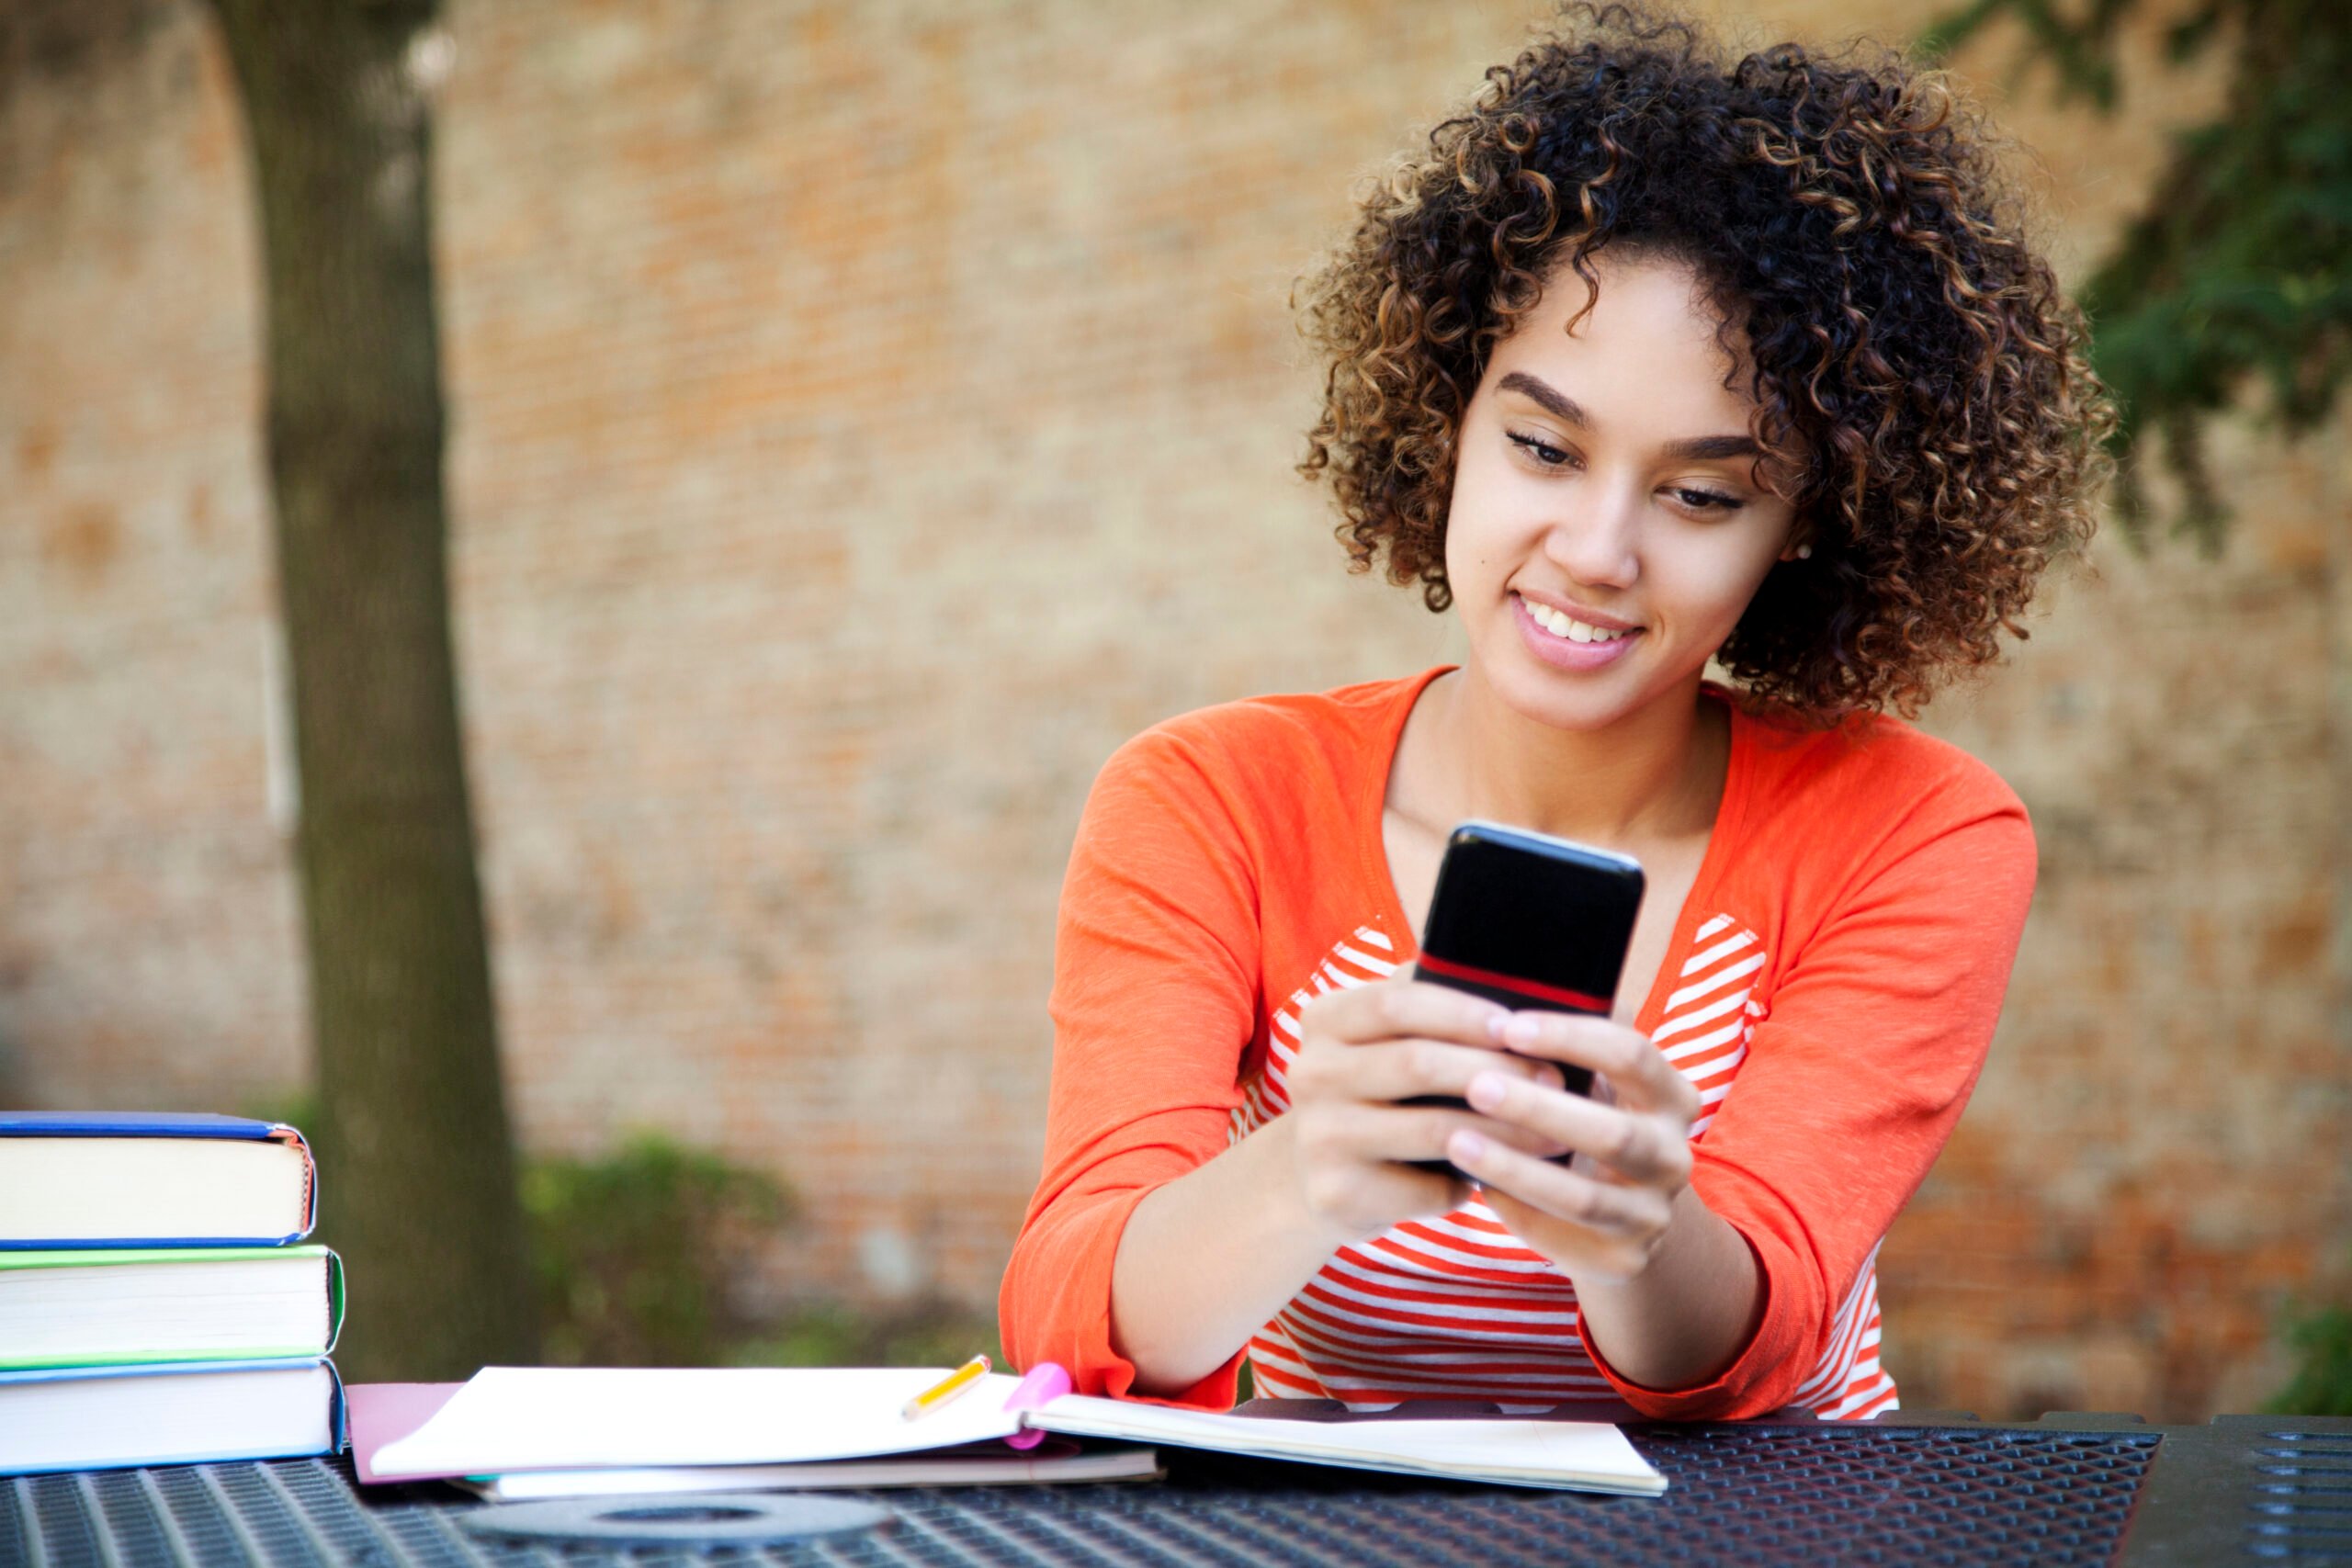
x=1695 y=448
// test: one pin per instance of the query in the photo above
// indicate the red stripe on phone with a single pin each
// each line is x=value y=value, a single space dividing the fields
x=1576 y=1000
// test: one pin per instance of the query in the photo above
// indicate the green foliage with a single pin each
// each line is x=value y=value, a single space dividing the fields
x=925 y=1334
x=2323 y=1381
x=633 y=1252
x=298 y=1109
x=2239 y=268
x=2077 y=47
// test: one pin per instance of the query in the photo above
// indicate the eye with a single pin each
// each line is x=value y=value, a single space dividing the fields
x=1705 y=500
x=1542 y=452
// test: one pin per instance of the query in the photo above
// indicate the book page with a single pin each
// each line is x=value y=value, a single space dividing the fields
x=71 y=1190
x=992 y=1465
x=1583 y=1454
x=518 y=1419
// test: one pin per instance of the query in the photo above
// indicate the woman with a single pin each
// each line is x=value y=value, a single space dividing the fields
x=1647 y=360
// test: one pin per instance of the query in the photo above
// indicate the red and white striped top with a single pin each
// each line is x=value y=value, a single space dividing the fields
x=1455 y=1307
x=1831 y=987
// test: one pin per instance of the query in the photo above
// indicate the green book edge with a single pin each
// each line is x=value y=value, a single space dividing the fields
x=335 y=1299
x=84 y=1258
x=108 y=1256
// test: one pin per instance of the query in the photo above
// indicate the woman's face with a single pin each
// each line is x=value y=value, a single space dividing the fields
x=1607 y=527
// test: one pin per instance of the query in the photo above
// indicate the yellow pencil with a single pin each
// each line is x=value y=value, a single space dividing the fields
x=945 y=1389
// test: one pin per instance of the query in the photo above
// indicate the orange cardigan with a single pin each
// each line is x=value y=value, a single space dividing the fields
x=1226 y=861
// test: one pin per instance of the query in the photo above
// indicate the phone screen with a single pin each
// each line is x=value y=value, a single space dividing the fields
x=1530 y=921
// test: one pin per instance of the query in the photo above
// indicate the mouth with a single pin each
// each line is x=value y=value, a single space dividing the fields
x=1570 y=643
x=1559 y=624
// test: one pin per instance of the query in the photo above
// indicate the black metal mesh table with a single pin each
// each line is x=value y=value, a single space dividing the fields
x=2068 y=1490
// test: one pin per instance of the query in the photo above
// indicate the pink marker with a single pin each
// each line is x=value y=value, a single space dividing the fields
x=1047 y=1382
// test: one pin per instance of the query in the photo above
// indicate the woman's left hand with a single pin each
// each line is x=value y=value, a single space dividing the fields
x=1604 y=1216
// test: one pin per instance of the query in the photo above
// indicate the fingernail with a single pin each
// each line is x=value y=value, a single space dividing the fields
x=1495 y=1023
x=1522 y=1030
x=1487 y=1091
x=1466 y=1149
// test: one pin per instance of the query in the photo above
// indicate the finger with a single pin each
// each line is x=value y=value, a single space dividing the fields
x=1401 y=1069
x=1371 y=1198
x=1640 y=1146
x=1397 y=1008
x=1638 y=1070
x=1410 y=1133
x=1634 y=1213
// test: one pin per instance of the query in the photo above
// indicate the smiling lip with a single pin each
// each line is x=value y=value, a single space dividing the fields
x=1563 y=654
x=1571 y=608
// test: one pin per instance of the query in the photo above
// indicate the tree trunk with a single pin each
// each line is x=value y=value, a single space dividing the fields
x=418 y=1169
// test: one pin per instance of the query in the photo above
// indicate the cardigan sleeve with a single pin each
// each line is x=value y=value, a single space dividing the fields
x=1874 y=1039
x=1154 y=1005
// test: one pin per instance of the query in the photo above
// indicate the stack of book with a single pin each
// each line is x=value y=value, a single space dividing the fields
x=156 y=1306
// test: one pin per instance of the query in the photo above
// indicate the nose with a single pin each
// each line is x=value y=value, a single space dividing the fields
x=1598 y=541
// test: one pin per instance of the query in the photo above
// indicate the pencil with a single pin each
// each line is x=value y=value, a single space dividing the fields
x=947 y=1388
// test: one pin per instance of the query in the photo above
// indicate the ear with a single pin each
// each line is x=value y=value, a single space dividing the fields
x=1799 y=546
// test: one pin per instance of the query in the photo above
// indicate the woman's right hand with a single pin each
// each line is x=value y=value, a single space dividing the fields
x=1363 y=1051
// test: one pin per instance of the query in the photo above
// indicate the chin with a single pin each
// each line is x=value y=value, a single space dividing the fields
x=1580 y=702
x=1560 y=700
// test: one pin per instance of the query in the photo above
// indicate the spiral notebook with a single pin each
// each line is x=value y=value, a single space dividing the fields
x=514 y=1419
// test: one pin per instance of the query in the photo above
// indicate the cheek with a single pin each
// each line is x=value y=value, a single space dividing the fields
x=1712 y=582
x=1469 y=543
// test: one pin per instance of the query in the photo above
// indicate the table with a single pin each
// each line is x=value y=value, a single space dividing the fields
x=1909 y=1489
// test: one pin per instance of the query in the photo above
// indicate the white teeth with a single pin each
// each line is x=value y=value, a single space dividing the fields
x=1562 y=624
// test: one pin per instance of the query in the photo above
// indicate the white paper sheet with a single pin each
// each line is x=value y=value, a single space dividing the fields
x=513 y=1418
x=530 y=1419
x=1582 y=1454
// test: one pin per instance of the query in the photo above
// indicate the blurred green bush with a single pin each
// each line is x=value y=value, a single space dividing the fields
x=636 y=1253
x=2323 y=1381
x=920 y=1334
x=633 y=1252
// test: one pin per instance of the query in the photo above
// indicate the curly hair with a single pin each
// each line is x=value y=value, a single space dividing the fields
x=1911 y=358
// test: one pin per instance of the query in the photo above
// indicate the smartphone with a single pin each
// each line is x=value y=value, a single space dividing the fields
x=1530 y=921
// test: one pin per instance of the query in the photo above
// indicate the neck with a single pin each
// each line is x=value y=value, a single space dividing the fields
x=1658 y=773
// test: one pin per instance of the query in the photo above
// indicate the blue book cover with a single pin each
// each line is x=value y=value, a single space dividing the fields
x=151 y=1178
x=132 y=1124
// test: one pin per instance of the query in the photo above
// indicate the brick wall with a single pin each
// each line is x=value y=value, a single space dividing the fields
x=865 y=417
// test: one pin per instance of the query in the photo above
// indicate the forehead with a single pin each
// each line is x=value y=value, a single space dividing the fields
x=1652 y=337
